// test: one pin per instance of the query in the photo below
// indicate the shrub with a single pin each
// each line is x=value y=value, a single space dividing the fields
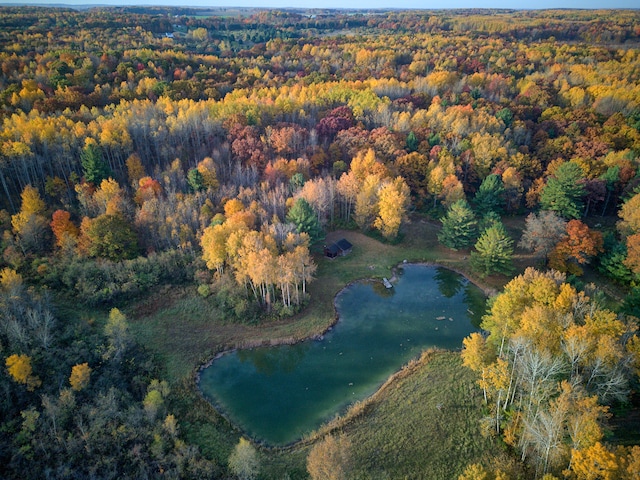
x=101 y=282
x=204 y=290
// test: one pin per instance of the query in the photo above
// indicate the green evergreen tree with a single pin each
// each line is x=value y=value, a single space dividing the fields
x=412 y=142
x=494 y=252
x=488 y=220
x=506 y=115
x=459 y=226
x=631 y=303
x=611 y=177
x=94 y=167
x=490 y=195
x=195 y=180
x=611 y=262
x=563 y=192
x=305 y=219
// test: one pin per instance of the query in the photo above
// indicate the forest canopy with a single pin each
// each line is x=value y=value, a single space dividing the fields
x=144 y=148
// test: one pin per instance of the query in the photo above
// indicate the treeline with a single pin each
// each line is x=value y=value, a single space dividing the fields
x=80 y=399
x=158 y=146
x=452 y=115
x=83 y=58
x=551 y=366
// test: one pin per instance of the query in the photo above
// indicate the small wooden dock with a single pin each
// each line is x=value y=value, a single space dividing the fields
x=387 y=283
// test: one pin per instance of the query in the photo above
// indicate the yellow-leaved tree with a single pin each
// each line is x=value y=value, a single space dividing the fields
x=330 y=459
x=595 y=462
x=19 y=367
x=10 y=282
x=393 y=200
x=552 y=362
x=244 y=461
x=117 y=332
x=30 y=224
x=80 y=375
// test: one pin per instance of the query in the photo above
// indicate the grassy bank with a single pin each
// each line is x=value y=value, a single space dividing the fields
x=424 y=424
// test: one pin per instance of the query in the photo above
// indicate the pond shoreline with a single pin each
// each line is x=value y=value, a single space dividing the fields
x=488 y=291
x=358 y=407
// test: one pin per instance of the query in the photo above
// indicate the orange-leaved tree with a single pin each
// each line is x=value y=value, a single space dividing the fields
x=579 y=245
x=64 y=230
x=633 y=253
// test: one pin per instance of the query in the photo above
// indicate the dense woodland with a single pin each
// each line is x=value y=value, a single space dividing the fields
x=143 y=147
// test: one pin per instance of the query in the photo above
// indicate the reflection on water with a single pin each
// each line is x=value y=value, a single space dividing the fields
x=448 y=282
x=277 y=394
x=268 y=361
x=475 y=299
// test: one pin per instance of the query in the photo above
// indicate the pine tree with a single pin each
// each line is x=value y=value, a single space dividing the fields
x=94 y=167
x=412 y=142
x=563 y=191
x=305 y=219
x=494 y=252
x=489 y=197
x=459 y=226
x=195 y=180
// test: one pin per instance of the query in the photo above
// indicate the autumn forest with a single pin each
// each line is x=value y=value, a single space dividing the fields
x=194 y=161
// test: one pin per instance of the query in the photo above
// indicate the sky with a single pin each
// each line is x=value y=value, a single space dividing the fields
x=426 y=4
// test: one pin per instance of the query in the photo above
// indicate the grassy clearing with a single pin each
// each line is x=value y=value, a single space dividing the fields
x=184 y=329
x=399 y=428
x=424 y=424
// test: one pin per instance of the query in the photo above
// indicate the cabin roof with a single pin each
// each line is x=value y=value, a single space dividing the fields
x=332 y=249
x=343 y=245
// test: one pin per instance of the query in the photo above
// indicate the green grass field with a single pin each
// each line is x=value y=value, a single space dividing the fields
x=401 y=433
x=425 y=425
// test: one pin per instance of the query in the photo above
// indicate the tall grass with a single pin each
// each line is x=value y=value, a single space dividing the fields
x=424 y=425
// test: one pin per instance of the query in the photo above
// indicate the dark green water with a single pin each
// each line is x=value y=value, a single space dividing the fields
x=278 y=394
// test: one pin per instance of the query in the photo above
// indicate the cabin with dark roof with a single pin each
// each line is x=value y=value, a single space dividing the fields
x=344 y=246
x=331 y=251
x=340 y=248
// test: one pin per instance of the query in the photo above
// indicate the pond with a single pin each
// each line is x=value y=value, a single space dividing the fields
x=278 y=394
